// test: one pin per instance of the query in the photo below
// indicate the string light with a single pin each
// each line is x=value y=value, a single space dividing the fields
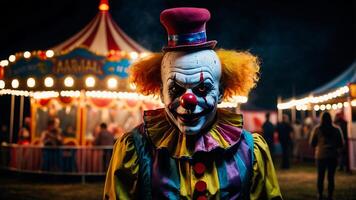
x=48 y=82
x=314 y=100
x=31 y=82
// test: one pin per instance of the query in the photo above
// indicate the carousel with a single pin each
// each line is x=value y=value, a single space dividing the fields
x=80 y=83
x=337 y=97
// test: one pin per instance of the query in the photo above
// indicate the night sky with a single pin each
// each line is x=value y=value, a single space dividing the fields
x=302 y=45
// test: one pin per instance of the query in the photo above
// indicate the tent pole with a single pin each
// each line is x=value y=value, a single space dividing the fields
x=350 y=136
x=12 y=117
x=280 y=111
x=21 y=112
x=294 y=114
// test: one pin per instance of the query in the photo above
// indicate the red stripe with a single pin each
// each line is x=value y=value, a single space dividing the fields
x=92 y=35
x=81 y=35
x=117 y=28
x=109 y=38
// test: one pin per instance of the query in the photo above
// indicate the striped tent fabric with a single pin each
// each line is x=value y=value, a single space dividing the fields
x=101 y=36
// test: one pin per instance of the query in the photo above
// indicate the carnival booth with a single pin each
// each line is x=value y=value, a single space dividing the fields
x=82 y=82
x=338 y=97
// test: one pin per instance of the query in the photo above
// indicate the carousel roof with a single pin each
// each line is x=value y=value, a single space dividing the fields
x=101 y=35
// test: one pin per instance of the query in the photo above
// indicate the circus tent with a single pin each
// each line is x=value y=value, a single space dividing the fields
x=336 y=96
x=101 y=35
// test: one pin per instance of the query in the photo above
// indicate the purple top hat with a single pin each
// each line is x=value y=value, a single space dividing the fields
x=186 y=28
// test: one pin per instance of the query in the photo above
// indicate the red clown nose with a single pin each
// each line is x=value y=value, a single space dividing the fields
x=188 y=101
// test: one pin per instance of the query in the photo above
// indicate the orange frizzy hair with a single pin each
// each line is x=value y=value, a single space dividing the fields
x=146 y=74
x=240 y=73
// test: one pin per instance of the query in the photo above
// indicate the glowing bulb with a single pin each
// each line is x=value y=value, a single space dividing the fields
x=26 y=54
x=339 y=105
x=12 y=58
x=334 y=106
x=353 y=103
x=15 y=83
x=316 y=107
x=346 y=104
x=133 y=55
x=90 y=81
x=49 y=53
x=4 y=63
x=2 y=84
x=112 y=83
x=31 y=82
x=68 y=81
x=49 y=82
x=328 y=106
x=322 y=107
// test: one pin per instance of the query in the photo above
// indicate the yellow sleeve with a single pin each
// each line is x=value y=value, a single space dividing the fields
x=264 y=181
x=122 y=175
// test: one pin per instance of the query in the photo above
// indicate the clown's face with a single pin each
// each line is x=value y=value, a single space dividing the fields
x=190 y=89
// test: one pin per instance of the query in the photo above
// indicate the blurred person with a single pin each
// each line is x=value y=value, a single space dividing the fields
x=51 y=137
x=4 y=135
x=105 y=138
x=297 y=139
x=285 y=131
x=69 y=132
x=344 y=163
x=24 y=136
x=327 y=140
x=268 y=131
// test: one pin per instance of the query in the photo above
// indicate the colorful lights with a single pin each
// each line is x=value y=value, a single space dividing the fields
x=90 y=81
x=314 y=100
x=49 y=53
x=133 y=55
x=31 y=82
x=112 y=83
x=26 y=54
x=12 y=58
x=4 y=63
x=49 y=82
x=69 y=81
x=2 y=84
x=15 y=83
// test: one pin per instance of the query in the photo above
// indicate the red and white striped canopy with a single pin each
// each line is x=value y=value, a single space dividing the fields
x=101 y=36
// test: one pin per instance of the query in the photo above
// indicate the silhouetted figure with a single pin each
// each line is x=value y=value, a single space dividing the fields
x=344 y=157
x=285 y=130
x=4 y=134
x=105 y=138
x=268 y=131
x=327 y=139
x=51 y=138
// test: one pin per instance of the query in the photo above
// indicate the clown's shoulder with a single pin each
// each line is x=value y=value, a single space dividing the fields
x=264 y=183
x=123 y=172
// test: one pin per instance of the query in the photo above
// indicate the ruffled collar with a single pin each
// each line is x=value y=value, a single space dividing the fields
x=225 y=133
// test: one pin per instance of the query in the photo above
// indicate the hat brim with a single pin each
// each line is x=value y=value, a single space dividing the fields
x=205 y=45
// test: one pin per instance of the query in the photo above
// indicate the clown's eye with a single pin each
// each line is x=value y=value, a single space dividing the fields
x=202 y=89
x=176 y=90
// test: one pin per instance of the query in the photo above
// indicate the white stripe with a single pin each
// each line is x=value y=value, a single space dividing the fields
x=121 y=42
x=99 y=44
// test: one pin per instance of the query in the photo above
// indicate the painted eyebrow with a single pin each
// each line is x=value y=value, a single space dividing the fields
x=207 y=80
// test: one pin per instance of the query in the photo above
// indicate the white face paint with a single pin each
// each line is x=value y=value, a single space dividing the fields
x=190 y=88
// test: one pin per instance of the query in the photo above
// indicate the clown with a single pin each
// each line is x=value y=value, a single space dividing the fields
x=190 y=149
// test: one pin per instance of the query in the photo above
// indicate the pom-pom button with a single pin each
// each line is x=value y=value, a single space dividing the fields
x=199 y=168
x=200 y=186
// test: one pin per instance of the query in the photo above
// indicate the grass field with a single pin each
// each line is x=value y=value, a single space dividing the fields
x=297 y=183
